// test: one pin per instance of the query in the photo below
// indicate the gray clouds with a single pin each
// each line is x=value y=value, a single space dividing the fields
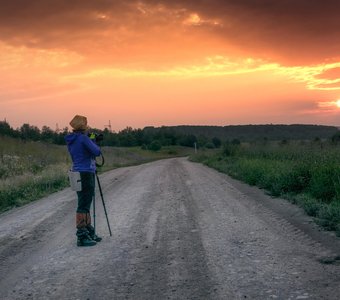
x=288 y=31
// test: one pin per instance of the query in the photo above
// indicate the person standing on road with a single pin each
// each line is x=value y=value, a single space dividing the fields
x=83 y=152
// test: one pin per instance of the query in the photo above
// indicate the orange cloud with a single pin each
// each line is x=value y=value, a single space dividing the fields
x=332 y=74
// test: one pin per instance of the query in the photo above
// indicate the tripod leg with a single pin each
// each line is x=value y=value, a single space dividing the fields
x=101 y=195
x=94 y=213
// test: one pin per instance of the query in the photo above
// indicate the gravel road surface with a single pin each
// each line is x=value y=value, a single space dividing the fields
x=180 y=231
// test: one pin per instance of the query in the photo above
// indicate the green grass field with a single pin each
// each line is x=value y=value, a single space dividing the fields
x=30 y=170
x=306 y=173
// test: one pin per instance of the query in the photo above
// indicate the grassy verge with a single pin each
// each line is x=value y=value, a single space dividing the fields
x=31 y=170
x=307 y=174
x=20 y=190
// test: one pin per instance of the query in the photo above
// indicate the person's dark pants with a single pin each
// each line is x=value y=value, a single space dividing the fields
x=85 y=196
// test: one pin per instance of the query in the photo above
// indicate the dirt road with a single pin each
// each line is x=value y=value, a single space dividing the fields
x=180 y=231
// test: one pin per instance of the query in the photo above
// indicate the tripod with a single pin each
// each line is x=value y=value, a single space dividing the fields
x=94 y=207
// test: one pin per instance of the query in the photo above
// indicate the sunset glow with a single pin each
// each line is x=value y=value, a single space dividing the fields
x=152 y=63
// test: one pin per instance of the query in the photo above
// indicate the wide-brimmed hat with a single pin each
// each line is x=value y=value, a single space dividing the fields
x=79 y=123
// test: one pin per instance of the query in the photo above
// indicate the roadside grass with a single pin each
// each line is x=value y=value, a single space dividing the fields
x=31 y=170
x=305 y=173
x=19 y=190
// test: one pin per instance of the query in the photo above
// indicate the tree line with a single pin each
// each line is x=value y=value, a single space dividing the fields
x=128 y=137
x=250 y=133
x=189 y=136
x=33 y=133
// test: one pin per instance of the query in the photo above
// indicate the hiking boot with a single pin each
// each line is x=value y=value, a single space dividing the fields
x=85 y=241
x=95 y=238
x=83 y=238
x=92 y=234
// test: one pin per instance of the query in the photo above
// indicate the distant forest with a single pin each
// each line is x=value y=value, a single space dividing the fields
x=202 y=136
x=255 y=132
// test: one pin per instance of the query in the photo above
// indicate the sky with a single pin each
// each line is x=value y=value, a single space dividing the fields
x=155 y=63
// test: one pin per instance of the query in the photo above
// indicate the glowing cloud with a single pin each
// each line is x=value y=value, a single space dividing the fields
x=222 y=66
x=311 y=76
x=195 y=20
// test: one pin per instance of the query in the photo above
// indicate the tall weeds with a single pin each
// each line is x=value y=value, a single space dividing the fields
x=30 y=170
x=20 y=190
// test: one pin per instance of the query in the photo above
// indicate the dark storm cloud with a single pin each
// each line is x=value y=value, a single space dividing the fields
x=50 y=21
x=289 y=31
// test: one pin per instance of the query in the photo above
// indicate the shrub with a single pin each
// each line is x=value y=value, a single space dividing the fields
x=172 y=152
x=298 y=178
x=323 y=183
x=217 y=142
x=251 y=170
x=310 y=205
x=230 y=149
x=155 y=146
x=329 y=216
x=209 y=146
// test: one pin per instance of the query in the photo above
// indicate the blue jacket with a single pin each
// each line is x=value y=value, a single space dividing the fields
x=83 y=152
